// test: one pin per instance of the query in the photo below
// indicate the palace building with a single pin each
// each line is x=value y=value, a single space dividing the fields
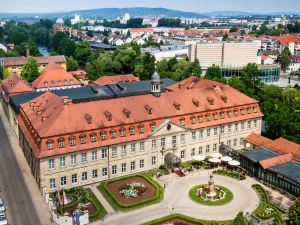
x=69 y=144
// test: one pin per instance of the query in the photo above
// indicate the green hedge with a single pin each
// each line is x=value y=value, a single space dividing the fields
x=186 y=218
x=264 y=203
x=103 y=188
x=230 y=174
x=100 y=210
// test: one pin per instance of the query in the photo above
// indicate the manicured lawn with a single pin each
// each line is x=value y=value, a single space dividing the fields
x=118 y=202
x=166 y=219
x=231 y=174
x=194 y=197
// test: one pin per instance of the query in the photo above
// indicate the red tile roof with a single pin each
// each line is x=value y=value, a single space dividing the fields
x=146 y=29
x=15 y=61
x=51 y=118
x=275 y=161
x=53 y=75
x=80 y=73
x=14 y=85
x=107 y=80
x=287 y=38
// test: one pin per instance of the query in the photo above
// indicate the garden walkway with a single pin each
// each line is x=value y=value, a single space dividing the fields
x=176 y=200
x=103 y=201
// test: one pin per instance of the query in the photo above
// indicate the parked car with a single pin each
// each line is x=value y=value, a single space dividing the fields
x=2 y=205
x=3 y=219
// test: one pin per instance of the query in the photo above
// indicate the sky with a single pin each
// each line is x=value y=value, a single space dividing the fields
x=29 y=6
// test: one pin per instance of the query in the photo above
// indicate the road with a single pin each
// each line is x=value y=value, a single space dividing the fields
x=21 y=202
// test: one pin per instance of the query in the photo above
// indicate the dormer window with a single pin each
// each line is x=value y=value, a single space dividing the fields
x=65 y=82
x=193 y=119
x=61 y=143
x=215 y=115
x=222 y=115
x=71 y=81
x=182 y=121
x=243 y=111
x=176 y=105
x=210 y=100
x=126 y=113
x=82 y=139
x=207 y=116
x=152 y=125
x=72 y=141
x=141 y=129
x=249 y=109
x=224 y=98
x=50 y=145
x=93 y=137
x=229 y=114
x=112 y=134
x=255 y=109
x=200 y=119
x=235 y=112
x=52 y=82
x=108 y=115
x=59 y=83
x=131 y=130
x=103 y=135
x=196 y=102
x=122 y=132
x=148 y=109
x=88 y=118
x=46 y=83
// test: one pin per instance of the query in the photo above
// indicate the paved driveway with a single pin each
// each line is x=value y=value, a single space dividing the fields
x=176 y=198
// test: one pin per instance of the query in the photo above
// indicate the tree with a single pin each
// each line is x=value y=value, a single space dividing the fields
x=225 y=37
x=83 y=52
x=57 y=38
x=278 y=219
x=148 y=63
x=294 y=213
x=240 y=219
x=30 y=70
x=197 y=70
x=284 y=59
x=250 y=78
x=213 y=72
x=135 y=23
x=72 y=64
x=22 y=48
x=91 y=71
x=66 y=47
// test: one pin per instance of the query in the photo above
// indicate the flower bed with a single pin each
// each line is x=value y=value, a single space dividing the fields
x=230 y=174
x=141 y=190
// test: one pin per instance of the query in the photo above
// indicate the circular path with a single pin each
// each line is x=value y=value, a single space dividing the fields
x=176 y=200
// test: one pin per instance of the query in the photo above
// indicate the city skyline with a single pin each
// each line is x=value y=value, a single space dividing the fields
x=34 y=6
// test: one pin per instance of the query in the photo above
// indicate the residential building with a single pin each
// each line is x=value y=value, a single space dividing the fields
x=290 y=41
x=107 y=80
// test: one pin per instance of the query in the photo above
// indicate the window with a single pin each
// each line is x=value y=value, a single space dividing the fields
x=235 y=112
x=236 y=127
x=84 y=176
x=103 y=135
x=112 y=134
x=131 y=130
x=74 y=178
x=207 y=117
x=215 y=116
x=123 y=150
x=249 y=124
x=242 y=111
x=229 y=128
x=255 y=123
x=46 y=84
x=222 y=115
x=182 y=138
x=229 y=114
x=142 y=163
x=132 y=148
x=154 y=143
x=132 y=165
x=249 y=110
x=123 y=167
x=122 y=132
x=242 y=125
x=215 y=131
x=235 y=142
x=73 y=160
x=51 y=164
x=95 y=174
x=93 y=138
x=114 y=170
x=152 y=125
x=113 y=151
x=255 y=109
x=104 y=153
x=193 y=120
x=200 y=134
x=182 y=154
x=83 y=157
x=207 y=148
x=61 y=143
x=71 y=81
x=63 y=181
x=62 y=161
x=94 y=155
x=82 y=139
x=214 y=147
x=65 y=82
x=222 y=129
x=141 y=129
x=104 y=171
x=208 y=132
x=182 y=122
x=162 y=142
x=153 y=160
x=174 y=140
x=194 y=135
x=241 y=141
x=52 y=183
x=229 y=143
x=200 y=150
x=142 y=146
x=193 y=152
x=72 y=141
x=59 y=83
x=200 y=119
x=50 y=145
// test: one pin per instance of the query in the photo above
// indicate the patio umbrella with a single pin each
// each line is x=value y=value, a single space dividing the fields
x=199 y=158
x=214 y=160
x=226 y=158
x=234 y=163
x=216 y=155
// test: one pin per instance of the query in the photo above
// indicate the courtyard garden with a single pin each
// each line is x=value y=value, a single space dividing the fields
x=131 y=192
x=232 y=174
x=82 y=199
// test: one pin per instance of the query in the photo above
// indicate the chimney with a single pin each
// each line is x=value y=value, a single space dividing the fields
x=27 y=52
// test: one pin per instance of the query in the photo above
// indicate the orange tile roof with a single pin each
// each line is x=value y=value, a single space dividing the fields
x=51 y=118
x=146 y=29
x=277 y=160
x=287 y=38
x=15 y=61
x=107 y=80
x=14 y=85
x=258 y=140
x=80 y=73
x=55 y=76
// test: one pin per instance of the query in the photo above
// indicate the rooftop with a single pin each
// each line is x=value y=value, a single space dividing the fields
x=12 y=61
x=107 y=80
x=290 y=169
x=259 y=154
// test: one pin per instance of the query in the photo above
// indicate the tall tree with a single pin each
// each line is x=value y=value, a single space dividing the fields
x=250 y=78
x=30 y=70
x=83 y=53
x=284 y=59
x=197 y=70
x=213 y=72
x=72 y=64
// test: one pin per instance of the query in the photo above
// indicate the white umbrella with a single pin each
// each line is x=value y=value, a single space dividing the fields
x=214 y=160
x=199 y=158
x=216 y=155
x=226 y=158
x=234 y=163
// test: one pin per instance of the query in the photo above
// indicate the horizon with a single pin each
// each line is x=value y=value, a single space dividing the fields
x=196 y=6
